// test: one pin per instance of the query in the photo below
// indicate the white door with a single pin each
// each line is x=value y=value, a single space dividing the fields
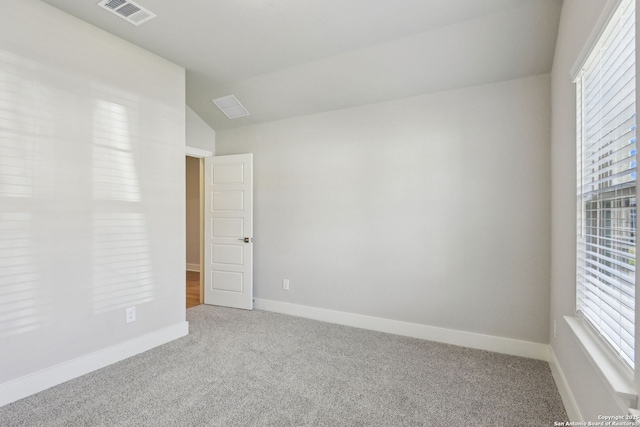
x=228 y=242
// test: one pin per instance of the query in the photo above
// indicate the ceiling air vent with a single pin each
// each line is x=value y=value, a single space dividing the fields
x=231 y=107
x=127 y=10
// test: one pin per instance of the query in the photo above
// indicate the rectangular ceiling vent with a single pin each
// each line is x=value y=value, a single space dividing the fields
x=230 y=107
x=127 y=10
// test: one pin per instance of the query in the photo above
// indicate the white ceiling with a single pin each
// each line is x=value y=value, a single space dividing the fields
x=284 y=58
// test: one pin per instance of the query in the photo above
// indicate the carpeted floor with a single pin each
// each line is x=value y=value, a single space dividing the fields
x=240 y=368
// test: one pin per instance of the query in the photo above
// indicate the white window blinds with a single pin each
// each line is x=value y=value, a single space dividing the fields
x=606 y=208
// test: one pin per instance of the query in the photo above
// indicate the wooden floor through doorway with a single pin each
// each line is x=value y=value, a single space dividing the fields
x=193 y=288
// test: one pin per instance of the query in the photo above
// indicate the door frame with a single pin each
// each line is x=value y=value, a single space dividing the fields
x=201 y=234
x=200 y=154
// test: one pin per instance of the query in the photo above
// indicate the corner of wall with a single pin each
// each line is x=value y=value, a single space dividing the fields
x=200 y=136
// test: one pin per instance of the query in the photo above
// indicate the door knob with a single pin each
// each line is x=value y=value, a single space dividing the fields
x=246 y=240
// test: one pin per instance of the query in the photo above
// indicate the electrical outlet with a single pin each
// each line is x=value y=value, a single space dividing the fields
x=285 y=284
x=555 y=329
x=131 y=314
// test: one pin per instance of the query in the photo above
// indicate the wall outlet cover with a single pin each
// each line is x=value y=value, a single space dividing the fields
x=131 y=314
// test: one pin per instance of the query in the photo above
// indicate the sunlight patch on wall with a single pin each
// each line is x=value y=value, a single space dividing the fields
x=122 y=267
x=20 y=296
x=16 y=179
x=114 y=170
x=23 y=304
x=21 y=125
x=122 y=273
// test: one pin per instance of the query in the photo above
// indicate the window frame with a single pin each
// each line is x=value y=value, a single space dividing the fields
x=622 y=379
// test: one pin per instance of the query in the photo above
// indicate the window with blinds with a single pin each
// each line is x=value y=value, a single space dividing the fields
x=606 y=181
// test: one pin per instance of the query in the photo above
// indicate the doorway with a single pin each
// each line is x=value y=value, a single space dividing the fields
x=229 y=229
x=194 y=231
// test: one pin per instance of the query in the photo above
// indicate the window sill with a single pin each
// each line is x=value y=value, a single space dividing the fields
x=618 y=376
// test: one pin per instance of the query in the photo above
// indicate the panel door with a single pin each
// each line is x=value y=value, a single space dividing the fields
x=228 y=243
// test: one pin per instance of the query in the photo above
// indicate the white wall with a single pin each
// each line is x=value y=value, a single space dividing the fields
x=432 y=209
x=91 y=190
x=590 y=392
x=199 y=134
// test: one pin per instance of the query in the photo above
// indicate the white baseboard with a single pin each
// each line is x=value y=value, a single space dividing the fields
x=570 y=404
x=449 y=336
x=193 y=267
x=42 y=380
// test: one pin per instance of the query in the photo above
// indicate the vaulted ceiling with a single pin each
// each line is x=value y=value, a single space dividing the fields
x=284 y=58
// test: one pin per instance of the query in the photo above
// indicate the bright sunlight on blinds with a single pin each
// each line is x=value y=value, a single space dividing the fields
x=606 y=208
